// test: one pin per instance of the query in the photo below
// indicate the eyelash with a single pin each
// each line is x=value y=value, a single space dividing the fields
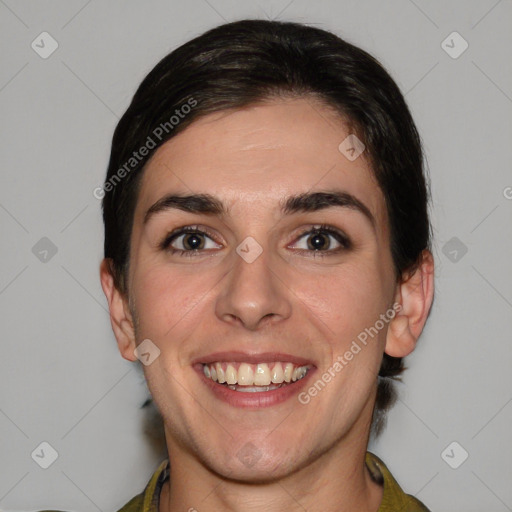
x=165 y=245
x=341 y=238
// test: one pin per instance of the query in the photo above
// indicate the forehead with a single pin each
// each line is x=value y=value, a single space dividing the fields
x=259 y=155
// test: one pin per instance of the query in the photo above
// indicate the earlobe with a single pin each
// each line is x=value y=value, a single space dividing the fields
x=415 y=295
x=120 y=316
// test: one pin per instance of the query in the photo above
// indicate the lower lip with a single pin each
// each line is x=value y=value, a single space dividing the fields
x=258 y=399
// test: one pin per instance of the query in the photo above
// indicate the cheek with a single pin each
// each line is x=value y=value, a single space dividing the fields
x=346 y=299
x=164 y=298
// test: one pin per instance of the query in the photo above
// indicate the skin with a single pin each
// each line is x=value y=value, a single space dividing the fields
x=288 y=300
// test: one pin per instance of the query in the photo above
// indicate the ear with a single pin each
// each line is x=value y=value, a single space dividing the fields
x=120 y=315
x=415 y=294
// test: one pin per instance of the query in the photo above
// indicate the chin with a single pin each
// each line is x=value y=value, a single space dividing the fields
x=255 y=463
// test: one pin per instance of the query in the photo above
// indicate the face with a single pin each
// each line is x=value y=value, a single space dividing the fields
x=272 y=274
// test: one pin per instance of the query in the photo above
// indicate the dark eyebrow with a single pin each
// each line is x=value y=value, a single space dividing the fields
x=306 y=202
x=194 y=203
x=315 y=201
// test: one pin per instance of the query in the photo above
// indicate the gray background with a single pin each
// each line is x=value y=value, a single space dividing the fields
x=62 y=379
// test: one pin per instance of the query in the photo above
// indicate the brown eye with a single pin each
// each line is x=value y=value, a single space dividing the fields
x=323 y=239
x=193 y=241
x=318 y=241
x=188 y=240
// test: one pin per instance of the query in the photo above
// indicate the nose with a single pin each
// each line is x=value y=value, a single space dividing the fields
x=253 y=294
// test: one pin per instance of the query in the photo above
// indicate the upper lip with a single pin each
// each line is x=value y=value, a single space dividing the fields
x=252 y=358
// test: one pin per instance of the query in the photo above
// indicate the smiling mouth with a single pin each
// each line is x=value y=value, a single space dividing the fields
x=254 y=378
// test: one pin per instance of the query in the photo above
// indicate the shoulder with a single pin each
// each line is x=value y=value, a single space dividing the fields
x=136 y=504
x=394 y=498
x=147 y=500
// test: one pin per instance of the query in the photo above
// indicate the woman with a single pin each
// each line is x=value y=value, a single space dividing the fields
x=267 y=260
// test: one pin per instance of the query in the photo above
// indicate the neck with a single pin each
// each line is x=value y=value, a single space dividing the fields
x=337 y=480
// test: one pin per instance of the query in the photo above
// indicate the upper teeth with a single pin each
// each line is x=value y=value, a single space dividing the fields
x=261 y=374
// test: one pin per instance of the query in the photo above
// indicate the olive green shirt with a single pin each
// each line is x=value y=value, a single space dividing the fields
x=393 y=498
